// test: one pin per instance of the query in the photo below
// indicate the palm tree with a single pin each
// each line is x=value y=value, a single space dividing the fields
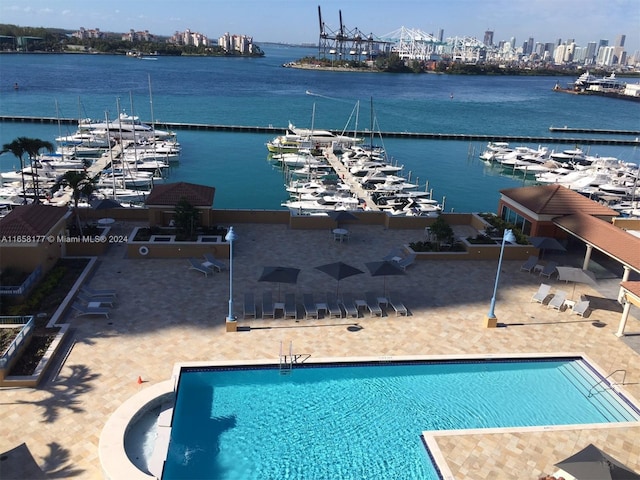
x=17 y=148
x=30 y=146
x=33 y=146
x=82 y=184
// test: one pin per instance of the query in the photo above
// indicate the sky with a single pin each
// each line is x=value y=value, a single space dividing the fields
x=296 y=21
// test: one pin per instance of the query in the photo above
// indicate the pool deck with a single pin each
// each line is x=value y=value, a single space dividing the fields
x=167 y=313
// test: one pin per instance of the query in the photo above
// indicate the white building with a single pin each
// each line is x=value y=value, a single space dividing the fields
x=236 y=43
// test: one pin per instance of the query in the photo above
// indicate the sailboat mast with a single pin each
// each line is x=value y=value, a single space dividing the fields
x=113 y=173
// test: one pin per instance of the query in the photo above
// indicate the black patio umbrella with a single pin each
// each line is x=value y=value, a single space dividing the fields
x=384 y=269
x=279 y=275
x=591 y=463
x=339 y=270
x=342 y=216
x=546 y=243
x=105 y=203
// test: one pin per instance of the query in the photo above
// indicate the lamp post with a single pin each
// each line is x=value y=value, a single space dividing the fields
x=230 y=237
x=491 y=320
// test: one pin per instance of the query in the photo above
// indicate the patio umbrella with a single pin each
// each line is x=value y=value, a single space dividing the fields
x=384 y=269
x=591 y=463
x=339 y=270
x=105 y=203
x=546 y=243
x=279 y=275
x=576 y=275
x=342 y=216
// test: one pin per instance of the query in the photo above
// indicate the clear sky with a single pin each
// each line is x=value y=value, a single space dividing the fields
x=296 y=21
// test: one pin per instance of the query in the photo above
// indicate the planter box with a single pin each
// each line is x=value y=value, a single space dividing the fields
x=166 y=246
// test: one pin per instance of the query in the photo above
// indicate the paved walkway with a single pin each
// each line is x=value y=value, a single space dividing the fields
x=167 y=313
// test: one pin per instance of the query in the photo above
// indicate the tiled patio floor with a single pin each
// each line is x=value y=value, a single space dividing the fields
x=167 y=313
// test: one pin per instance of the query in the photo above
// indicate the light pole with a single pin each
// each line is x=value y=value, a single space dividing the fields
x=230 y=237
x=491 y=320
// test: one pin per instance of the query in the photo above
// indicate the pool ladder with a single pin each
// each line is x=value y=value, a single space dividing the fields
x=286 y=361
x=591 y=393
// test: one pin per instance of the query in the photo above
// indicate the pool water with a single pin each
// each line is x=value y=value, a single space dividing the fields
x=355 y=421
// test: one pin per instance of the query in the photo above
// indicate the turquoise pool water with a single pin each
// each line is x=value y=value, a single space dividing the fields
x=364 y=421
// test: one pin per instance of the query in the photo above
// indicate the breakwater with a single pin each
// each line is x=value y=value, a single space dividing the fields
x=405 y=135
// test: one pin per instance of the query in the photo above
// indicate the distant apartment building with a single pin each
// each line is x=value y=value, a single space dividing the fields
x=84 y=34
x=488 y=38
x=133 y=36
x=236 y=43
x=189 y=38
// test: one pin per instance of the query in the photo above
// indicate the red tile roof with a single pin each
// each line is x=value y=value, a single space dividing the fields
x=170 y=194
x=633 y=287
x=604 y=236
x=556 y=200
x=29 y=220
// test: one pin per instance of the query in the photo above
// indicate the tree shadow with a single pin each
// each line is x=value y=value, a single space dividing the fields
x=64 y=393
x=57 y=463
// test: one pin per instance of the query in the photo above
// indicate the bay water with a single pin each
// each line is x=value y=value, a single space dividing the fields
x=261 y=92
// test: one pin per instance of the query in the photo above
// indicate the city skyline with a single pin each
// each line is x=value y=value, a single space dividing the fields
x=296 y=22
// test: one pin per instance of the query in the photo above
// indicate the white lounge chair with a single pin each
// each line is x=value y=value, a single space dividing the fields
x=98 y=293
x=349 y=304
x=249 y=305
x=581 y=308
x=85 y=310
x=290 y=310
x=103 y=301
x=558 y=300
x=549 y=269
x=406 y=261
x=195 y=264
x=333 y=306
x=310 y=307
x=212 y=262
x=542 y=293
x=529 y=265
x=267 y=306
x=397 y=304
x=372 y=304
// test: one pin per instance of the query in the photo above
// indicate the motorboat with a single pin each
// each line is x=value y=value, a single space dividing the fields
x=125 y=127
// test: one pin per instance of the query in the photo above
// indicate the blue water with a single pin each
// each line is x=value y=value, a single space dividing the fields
x=356 y=422
x=243 y=91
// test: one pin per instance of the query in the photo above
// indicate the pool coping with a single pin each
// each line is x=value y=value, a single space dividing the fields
x=115 y=462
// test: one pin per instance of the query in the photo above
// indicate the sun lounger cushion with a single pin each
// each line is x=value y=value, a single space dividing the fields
x=396 y=304
x=310 y=307
x=542 y=293
x=290 y=310
x=372 y=304
x=249 y=306
x=333 y=306
x=349 y=304
x=267 y=306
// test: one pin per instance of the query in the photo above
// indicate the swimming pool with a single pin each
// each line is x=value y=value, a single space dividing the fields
x=365 y=420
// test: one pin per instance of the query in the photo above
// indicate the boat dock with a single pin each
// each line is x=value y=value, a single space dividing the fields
x=345 y=175
x=595 y=131
x=273 y=131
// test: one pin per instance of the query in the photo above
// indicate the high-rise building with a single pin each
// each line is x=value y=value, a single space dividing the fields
x=590 y=54
x=440 y=35
x=620 y=40
x=530 y=45
x=488 y=38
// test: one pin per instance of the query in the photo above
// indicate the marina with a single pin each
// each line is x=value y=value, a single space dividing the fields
x=403 y=135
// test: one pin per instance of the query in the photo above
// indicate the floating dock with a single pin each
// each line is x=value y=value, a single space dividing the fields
x=406 y=135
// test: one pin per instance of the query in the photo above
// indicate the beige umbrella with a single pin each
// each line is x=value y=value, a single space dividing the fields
x=576 y=275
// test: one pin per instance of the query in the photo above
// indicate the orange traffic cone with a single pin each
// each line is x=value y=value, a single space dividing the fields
x=139 y=380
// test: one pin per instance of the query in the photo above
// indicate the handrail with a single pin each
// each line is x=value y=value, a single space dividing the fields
x=590 y=393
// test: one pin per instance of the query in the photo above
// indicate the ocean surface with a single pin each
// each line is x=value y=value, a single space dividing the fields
x=260 y=92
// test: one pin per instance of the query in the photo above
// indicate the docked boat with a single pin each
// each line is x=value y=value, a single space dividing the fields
x=298 y=138
x=125 y=127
